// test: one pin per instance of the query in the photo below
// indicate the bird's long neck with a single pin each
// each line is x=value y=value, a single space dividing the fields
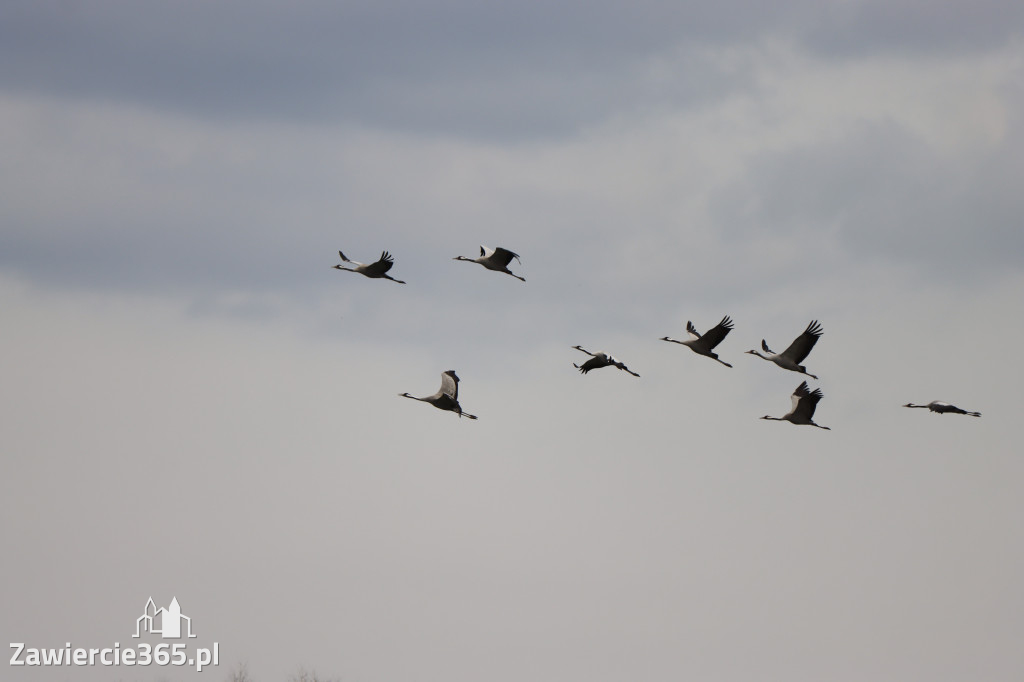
x=406 y=395
x=774 y=419
x=913 y=405
x=342 y=267
x=754 y=352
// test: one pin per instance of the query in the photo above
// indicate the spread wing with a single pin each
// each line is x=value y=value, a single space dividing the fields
x=504 y=256
x=381 y=266
x=348 y=260
x=596 y=362
x=714 y=336
x=450 y=384
x=802 y=345
x=805 y=400
x=691 y=330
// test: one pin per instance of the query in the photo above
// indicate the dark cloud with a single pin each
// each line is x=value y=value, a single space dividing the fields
x=847 y=29
x=489 y=69
x=244 y=211
x=492 y=68
x=438 y=64
x=887 y=193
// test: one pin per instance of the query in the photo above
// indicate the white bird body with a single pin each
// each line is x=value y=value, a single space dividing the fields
x=798 y=350
x=495 y=259
x=447 y=397
x=375 y=270
x=600 y=359
x=704 y=345
x=941 y=408
x=804 y=402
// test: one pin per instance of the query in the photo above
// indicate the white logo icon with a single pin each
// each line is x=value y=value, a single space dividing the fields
x=163 y=622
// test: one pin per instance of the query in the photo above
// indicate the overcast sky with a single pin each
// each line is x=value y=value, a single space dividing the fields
x=193 y=404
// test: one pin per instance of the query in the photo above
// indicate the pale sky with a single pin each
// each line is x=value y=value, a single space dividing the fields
x=195 y=405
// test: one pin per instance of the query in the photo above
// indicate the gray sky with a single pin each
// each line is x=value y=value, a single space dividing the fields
x=194 y=404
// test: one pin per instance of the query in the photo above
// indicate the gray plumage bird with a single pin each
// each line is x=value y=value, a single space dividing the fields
x=598 y=360
x=376 y=270
x=942 y=408
x=495 y=259
x=705 y=344
x=447 y=398
x=804 y=402
x=798 y=350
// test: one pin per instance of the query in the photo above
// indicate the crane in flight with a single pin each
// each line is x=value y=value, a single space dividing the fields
x=598 y=360
x=376 y=270
x=705 y=344
x=447 y=397
x=804 y=402
x=941 y=408
x=798 y=350
x=495 y=259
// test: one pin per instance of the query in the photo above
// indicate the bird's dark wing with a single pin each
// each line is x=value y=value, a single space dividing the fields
x=805 y=400
x=714 y=336
x=595 y=362
x=381 y=266
x=802 y=345
x=691 y=330
x=504 y=256
x=943 y=407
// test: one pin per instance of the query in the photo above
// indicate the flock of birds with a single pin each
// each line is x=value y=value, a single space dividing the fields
x=805 y=401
